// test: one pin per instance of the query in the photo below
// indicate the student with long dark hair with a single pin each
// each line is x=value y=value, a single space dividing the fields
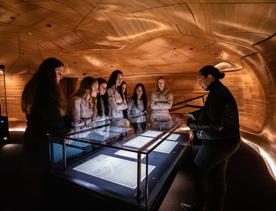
x=137 y=108
x=102 y=100
x=43 y=104
x=138 y=103
x=123 y=92
x=217 y=125
x=82 y=105
x=116 y=102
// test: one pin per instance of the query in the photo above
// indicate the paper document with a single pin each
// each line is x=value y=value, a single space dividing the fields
x=119 y=129
x=116 y=170
x=165 y=147
x=138 y=142
x=172 y=137
x=151 y=133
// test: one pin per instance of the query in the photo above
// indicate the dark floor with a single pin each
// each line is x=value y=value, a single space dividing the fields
x=250 y=187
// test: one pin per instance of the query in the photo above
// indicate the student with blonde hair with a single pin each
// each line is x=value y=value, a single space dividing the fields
x=162 y=98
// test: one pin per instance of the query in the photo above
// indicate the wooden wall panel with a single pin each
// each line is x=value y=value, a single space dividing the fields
x=2 y=96
x=14 y=88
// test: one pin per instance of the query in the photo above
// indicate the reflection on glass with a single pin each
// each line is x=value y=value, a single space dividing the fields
x=94 y=124
x=138 y=118
x=101 y=134
x=128 y=154
x=121 y=122
x=98 y=134
x=120 y=132
x=161 y=122
x=138 y=122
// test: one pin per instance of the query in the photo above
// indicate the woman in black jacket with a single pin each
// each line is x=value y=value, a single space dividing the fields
x=43 y=104
x=217 y=125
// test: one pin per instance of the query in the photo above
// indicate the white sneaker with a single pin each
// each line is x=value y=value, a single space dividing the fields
x=185 y=206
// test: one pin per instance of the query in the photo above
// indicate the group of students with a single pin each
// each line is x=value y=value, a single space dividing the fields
x=95 y=99
x=217 y=123
x=47 y=112
x=98 y=99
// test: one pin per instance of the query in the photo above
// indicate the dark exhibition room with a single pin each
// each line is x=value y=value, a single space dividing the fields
x=138 y=105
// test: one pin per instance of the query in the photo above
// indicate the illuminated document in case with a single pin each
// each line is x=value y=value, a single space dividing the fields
x=128 y=154
x=151 y=133
x=165 y=147
x=95 y=135
x=102 y=136
x=80 y=135
x=138 y=142
x=119 y=129
x=116 y=170
x=172 y=137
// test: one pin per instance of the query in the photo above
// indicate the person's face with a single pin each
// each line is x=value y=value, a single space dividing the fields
x=102 y=88
x=205 y=81
x=124 y=86
x=161 y=84
x=139 y=92
x=119 y=80
x=59 y=73
x=94 y=89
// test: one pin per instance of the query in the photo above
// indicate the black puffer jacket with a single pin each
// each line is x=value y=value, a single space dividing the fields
x=219 y=118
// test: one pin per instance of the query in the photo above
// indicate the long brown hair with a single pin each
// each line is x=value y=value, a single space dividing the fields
x=104 y=98
x=43 y=87
x=85 y=85
x=143 y=97
x=113 y=78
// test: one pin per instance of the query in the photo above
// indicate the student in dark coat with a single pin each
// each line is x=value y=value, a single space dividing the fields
x=43 y=104
x=217 y=125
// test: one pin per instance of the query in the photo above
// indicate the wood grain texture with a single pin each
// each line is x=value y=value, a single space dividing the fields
x=145 y=39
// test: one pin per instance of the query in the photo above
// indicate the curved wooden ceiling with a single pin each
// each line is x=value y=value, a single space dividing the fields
x=145 y=37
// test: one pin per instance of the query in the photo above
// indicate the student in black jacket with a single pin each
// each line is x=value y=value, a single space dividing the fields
x=43 y=104
x=217 y=125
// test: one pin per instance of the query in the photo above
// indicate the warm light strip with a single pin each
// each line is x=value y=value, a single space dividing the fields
x=267 y=158
x=21 y=129
x=184 y=128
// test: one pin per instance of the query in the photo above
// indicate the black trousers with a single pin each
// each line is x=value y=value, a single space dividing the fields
x=210 y=166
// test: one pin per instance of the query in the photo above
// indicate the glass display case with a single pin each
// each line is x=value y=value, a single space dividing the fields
x=130 y=161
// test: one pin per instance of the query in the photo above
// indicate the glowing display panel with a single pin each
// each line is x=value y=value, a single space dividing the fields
x=151 y=133
x=138 y=142
x=165 y=147
x=172 y=137
x=128 y=154
x=116 y=170
x=119 y=129
x=96 y=135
